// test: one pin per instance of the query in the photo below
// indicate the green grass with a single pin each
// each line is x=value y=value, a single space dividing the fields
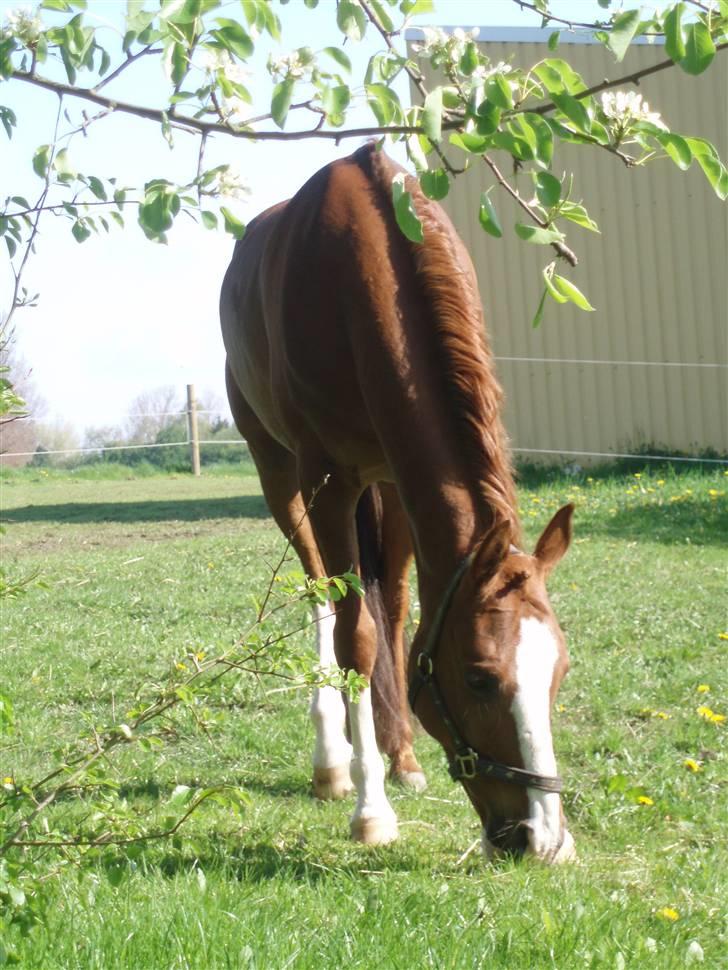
x=139 y=572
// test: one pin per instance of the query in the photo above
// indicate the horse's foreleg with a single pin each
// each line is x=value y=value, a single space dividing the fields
x=332 y=752
x=355 y=645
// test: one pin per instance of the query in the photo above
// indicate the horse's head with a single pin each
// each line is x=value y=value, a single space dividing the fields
x=483 y=679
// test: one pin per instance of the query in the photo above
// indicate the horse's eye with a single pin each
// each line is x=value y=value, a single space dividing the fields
x=484 y=683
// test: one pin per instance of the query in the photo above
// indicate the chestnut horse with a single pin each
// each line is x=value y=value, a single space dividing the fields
x=358 y=359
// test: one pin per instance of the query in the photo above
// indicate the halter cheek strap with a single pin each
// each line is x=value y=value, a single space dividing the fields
x=466 y=763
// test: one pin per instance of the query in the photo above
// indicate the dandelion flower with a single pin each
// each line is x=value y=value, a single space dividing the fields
x=645 y=800
x=723 y=636
x=692 y=765
x=703 y=688
x=668 y=913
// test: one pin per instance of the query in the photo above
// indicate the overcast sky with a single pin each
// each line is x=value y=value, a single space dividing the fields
x=118 y=316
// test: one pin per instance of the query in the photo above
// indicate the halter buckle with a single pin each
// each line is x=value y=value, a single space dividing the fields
x=465 y=764
x=424 y=665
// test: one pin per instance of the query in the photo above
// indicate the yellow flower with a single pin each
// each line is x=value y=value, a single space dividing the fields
x=668 y=913
x=180 y=666
x=200 y=655
x=638 y=474
x=709 y=715
x=663 y=716
x=723 y=636
x=692 y=765
x=660 y=481
x=8 y=782
x=645 y=800
x=703 y=688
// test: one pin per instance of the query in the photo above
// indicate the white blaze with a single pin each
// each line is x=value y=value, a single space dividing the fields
x=536 y=655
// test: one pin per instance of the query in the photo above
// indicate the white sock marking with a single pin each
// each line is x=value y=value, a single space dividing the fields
x=536 y=655
x=331 y=749
x=367 y=767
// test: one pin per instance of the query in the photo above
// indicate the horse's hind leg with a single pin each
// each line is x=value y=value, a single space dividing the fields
x=398 y=554
x=279 y=481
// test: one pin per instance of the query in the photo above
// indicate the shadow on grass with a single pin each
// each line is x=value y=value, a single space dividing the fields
x=179 y=510
x=696 y=520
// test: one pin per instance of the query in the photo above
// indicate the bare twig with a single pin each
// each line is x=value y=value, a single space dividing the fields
x=130 y=58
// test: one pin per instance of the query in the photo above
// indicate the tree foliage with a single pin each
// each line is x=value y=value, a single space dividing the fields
x=466 y=103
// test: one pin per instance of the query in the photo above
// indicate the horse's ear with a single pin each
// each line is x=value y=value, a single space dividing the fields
x=555 y=539
x=491 y=552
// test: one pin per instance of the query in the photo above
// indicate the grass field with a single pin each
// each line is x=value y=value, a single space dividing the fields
x=137 y=573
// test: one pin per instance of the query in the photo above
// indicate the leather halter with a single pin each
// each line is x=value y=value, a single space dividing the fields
x=466 y=763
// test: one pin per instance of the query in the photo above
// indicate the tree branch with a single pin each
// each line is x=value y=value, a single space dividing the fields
x=561 y=248
x=196 y=125
x=634 y=78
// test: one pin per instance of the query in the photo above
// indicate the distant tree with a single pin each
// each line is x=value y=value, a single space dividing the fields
x=18 y=430
x=150 y=413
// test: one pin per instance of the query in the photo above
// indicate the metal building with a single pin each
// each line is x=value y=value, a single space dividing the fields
x=650 y=367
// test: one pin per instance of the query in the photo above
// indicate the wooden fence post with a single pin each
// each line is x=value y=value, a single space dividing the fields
x=192 y=432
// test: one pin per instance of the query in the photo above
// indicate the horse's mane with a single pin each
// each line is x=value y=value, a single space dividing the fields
x=450 y=290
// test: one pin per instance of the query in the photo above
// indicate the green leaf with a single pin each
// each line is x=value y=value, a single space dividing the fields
x=404 y=210
x=351 y=20
x=339 y=56
x=578 y=214
x=544 y=137
x=537 y=234
x=415 y=8
x=623 y=29
x=209 y=219
x=677 y=148
x=469 y=60
x=547 y=274
x=574 y=110
x=97 y=187
x=41 y=160
x=62 y=164
x=11 y=244
x=536 y=322
x=281 y=101
x=553 y=43
x=475 y=144
x=432 y=115
x=498 y=91
x=384 y=103
x=674 y=43
x=488 y=118
x=567 y=289
x=488 y=217
x=383 y=16
x=335 y=101
x=435 y=184
x=548 y=189
x=416 y=152
x=9 y=120
x=234 y=37
x=233 y=225
x=699 y=49
x=716 y=174
x=80 y=231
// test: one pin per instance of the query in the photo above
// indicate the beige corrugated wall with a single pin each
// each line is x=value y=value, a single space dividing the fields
x=657 y=274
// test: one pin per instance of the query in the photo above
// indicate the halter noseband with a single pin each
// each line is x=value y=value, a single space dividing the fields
x=466 y=763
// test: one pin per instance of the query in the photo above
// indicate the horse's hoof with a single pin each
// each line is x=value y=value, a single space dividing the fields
x=331 y=784
x=374 y=831
x=410 y=779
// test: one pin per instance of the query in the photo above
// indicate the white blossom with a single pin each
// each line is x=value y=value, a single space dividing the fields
x=212 y=60
x=624 y=107
x=289 y=65
x=229 y=184
x=23 y=24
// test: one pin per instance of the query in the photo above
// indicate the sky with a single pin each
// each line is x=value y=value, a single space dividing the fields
x=119 y=316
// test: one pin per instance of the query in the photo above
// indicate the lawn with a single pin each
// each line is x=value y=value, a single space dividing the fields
x=134 y=576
